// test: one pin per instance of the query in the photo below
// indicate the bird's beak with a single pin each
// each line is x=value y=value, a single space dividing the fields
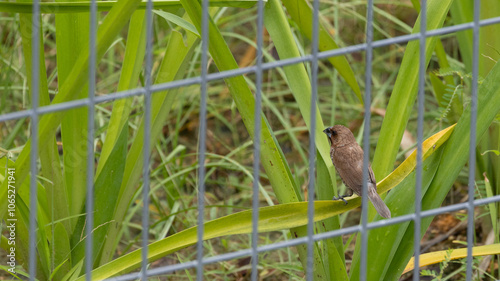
x=328 y=132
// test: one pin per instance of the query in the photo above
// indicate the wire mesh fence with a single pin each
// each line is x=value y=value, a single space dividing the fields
x=39 y=132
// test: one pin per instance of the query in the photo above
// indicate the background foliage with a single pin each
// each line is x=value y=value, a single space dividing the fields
x=230 y=129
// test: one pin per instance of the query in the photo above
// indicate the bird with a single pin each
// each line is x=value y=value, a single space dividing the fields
x=347 y=157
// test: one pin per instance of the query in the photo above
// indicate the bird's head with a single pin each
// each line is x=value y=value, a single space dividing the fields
x=339 y=135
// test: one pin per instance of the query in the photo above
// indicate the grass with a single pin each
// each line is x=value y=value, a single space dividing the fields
x=286 y=92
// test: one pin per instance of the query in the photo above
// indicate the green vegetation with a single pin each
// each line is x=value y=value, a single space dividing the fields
x=285 y=119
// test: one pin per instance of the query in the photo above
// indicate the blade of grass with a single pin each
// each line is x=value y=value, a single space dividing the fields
x=72 y=35
x=49 y=157
x=271 y=218
x=62 y=257
x=492 y=209
x=117 y=133
x=298 y=80
x=272 y=158
x=107 y=185
x=178 y=21
x=461 y=12
x=130 y=71
x=443 y=64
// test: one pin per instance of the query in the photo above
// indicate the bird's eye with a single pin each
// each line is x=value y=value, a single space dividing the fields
x=334 y=132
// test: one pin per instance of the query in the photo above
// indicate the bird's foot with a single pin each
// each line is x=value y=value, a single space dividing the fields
x=341 y=198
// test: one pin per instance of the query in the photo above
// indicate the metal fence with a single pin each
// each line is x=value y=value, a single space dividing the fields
x=258 y=69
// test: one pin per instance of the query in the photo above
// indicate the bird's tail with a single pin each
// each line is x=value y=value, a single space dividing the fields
x=377 y=202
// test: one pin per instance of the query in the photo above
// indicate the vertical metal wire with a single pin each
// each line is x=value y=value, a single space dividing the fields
x=420 y=137
x=366 y=140
x=472 y=144
x=203 y=132
x=256 y=141
x=89 y=202
x=312 y=143
x=35 y=76
x=147 y=139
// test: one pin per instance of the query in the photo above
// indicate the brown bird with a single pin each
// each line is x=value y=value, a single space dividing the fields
x=347 y=157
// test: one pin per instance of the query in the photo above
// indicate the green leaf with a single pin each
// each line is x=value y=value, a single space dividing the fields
x=461 y=11
x=129 y=77
x=62 y=251
x=107 y=186
x=271 y=218
x=492 y=208
x=48 y=156
x=118 y=124
x=178 y=21
x=72 y=36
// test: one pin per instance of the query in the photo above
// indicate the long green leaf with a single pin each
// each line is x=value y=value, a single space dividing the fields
x=117 y=133
x=72 y=35
x=178 y=21
x=62 y=257
x=129 y=76
x=271 y=218
x=49 y=157
x=107 y=185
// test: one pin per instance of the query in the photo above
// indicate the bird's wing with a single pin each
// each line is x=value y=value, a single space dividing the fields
x=371 y=176
x=349 y=163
